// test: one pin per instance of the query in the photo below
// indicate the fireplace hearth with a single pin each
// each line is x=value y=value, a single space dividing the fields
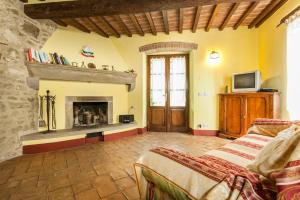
x=89 y=113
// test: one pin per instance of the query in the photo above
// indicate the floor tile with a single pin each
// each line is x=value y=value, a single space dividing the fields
x=88 y=195
x=103 y=170
x=61 y=194
x=124 y=183
x=131 y=193
x=116 y=196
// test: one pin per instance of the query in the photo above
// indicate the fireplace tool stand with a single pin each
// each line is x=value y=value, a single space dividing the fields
x=50 y=112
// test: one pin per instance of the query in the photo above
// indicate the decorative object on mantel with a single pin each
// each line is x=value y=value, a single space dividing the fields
x=75 y=64
x=130 y=71
x=105 y=67
x=34 y=55
x=65 y=73
x=50 y=109
x=87 y=52
x=91 y=65
x=290 y=17
x=83 y=65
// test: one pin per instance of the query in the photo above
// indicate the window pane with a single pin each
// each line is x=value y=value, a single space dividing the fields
x=157 y=82
x=177 y=81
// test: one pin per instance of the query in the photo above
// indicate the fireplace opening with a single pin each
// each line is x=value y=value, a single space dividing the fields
x=89 y=113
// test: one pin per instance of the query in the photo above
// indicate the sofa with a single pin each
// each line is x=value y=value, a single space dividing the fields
x=263 y=164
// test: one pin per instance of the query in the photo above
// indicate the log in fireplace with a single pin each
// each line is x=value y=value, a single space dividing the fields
x=86 y=111
x=89 y=113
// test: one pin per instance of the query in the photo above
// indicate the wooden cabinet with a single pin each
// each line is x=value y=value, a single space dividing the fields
x=239 y=110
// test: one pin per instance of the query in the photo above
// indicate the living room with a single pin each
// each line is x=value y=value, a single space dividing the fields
x=85 y=77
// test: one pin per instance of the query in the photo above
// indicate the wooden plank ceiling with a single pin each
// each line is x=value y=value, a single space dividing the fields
x=121 y=17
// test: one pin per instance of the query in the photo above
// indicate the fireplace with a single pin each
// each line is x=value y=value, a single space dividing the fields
x=83 y=111
x=89 y=113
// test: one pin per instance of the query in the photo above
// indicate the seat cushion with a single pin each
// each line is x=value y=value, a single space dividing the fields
x=277 y=153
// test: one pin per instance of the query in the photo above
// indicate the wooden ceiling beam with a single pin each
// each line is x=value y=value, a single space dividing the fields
x=99 y=30
x=229 y=15
x=78 y=25
x=89 y=8
x=212 y=17
x=269 y=14
x=60 y=22
x=166 y=21
x=151 y=23
x=123 y=25
x=267 y=9
x=196 y=18
x=181 y=18
x=245 y=15
x=107 y=24
x=136 y=24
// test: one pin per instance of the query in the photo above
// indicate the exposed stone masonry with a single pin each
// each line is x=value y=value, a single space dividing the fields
x=18 y=102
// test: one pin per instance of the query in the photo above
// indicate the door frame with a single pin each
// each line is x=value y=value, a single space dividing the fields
x=167 y=87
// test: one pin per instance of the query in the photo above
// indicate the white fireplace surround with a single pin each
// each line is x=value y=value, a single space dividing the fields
x=71 y=99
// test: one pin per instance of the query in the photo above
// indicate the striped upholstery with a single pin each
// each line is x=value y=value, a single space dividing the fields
x=270 y=127
x=288 y=179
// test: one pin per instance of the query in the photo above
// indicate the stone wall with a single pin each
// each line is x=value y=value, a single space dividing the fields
x=18 y=102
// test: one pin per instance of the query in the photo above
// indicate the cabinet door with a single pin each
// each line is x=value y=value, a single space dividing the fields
x=233 y=112
x=257 y=106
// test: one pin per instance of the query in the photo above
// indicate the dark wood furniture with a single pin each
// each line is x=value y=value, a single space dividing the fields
x=238 y=110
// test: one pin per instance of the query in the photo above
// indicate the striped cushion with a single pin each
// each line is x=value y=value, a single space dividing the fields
x=277 y=153
x=265 y=121
x=288 y=179
x=288 y=182
x=270 y=127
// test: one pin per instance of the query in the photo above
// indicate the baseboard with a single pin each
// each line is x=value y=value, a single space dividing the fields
x=39 y=148
x=53 y=146
x=204 y=132
x=119 y=135
x=142 y=130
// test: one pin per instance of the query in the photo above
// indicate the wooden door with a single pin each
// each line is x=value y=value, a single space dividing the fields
x=256 y=106
x=167 y=95
x=233 y=112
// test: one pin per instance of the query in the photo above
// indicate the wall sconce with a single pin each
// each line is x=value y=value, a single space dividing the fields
x=214 y=55
x=214 y=58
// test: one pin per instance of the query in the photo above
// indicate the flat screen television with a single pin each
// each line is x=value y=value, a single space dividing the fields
x=246 y=82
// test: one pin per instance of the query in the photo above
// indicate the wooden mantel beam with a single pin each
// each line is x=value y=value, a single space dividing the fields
x=89 y=8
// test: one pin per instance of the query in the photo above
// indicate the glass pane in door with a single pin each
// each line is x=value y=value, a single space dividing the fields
x=177 y=81
x=157 y=82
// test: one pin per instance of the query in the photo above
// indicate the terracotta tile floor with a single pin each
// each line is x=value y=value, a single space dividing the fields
x=96 y=171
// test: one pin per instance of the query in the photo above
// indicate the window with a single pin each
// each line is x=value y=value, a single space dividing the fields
x=293 y=69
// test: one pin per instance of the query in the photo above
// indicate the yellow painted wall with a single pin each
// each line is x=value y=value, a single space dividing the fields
x=69 y=43
x=239 y=53
x=272 y=52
